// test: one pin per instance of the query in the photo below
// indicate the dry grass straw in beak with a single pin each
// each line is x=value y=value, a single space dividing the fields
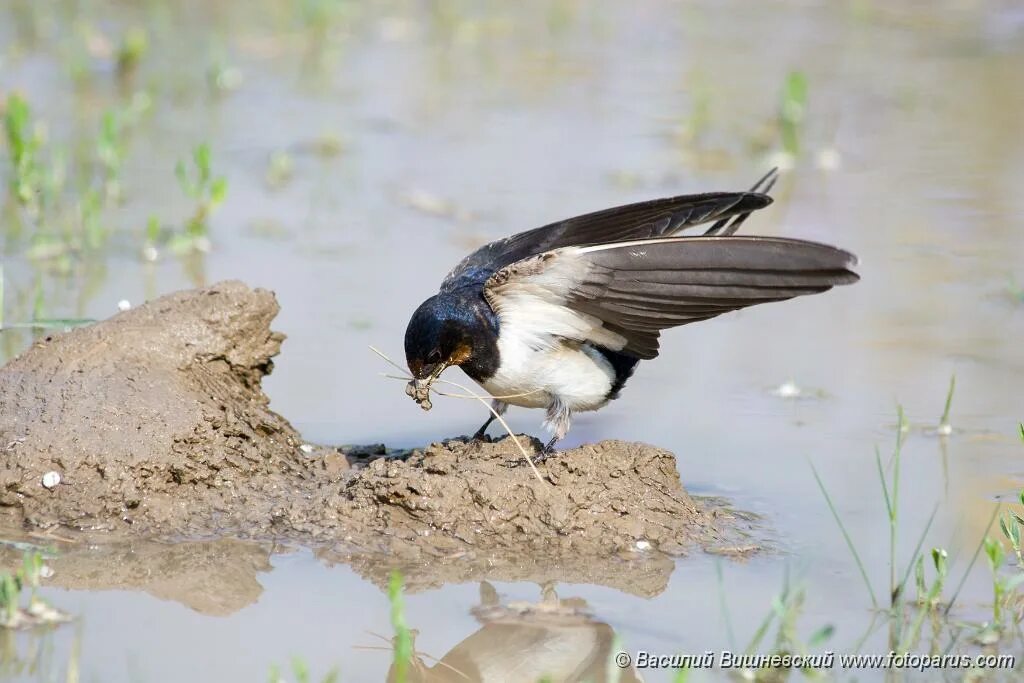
x=470 y=395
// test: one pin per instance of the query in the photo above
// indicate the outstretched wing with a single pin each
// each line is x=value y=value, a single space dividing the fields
x=620 y=296
x=645 y=220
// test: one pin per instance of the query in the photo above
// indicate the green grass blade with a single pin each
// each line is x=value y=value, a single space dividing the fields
x=846 y=536
x=300 y=669
x=949 y=401
x=917 y=550
x=894 y=509
x=885 y=487
x=403 y=639
x=974 y=558
x=761 y=630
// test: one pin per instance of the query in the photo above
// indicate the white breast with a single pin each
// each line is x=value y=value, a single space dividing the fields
x=577 y=374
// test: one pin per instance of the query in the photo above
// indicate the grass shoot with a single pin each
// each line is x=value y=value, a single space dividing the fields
x=207 y=191
x=21 y=607
x=792 y=109
x=402 y=643
x=905 y=634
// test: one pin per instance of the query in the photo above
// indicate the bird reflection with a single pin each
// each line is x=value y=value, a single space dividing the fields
x=551 y=640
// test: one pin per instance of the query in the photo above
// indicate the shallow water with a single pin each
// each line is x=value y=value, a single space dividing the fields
x=460 y=123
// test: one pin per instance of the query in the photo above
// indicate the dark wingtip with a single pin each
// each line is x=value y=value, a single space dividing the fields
x=764 y=185
x=848 y=277
x=762 y=199
x=851 y=258
x=746 y=204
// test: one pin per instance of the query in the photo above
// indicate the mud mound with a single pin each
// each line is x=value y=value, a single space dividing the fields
x=609 y=497
x=147 y=415
x=157 y=426
x=442 y=513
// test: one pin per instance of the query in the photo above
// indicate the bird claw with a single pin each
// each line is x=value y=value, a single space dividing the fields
x=547 y=453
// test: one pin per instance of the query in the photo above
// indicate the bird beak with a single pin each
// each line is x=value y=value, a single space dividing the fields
x=419 y=389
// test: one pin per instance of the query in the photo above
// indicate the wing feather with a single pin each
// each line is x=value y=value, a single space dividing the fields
x=530 y=298
x=643 y=220
x=620 y=296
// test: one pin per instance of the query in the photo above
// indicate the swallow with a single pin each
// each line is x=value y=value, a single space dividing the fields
x=559 y=317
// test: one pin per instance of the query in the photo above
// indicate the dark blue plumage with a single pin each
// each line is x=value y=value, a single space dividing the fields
x=449 y=321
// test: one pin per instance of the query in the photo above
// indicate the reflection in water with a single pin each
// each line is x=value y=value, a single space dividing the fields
x=33 y=655
x=641 y=574
x=215 y=578
x=554 y=639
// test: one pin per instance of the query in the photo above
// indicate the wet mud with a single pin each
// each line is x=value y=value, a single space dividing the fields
x=153 y=424
x=153 y=420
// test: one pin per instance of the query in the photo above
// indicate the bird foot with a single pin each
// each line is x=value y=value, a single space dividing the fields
x=546 y=453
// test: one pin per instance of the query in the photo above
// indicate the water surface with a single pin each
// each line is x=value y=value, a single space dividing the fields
x=458 y=123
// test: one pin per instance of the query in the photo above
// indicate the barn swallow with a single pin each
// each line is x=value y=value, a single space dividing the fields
x=558 y=317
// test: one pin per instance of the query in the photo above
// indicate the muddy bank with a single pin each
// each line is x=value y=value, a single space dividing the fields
x=155 y=424
x=153 y=419
x=608 y=513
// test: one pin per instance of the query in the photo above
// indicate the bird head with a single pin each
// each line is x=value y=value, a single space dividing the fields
x=437 y=338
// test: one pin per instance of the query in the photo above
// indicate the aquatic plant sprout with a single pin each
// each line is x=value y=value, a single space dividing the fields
x=929 y=598
x=403 y=639
x=24 y=140
x=945 y=427
x=14 y=585
x=206 y=190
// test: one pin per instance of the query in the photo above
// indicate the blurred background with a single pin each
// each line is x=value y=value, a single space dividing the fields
x=346 y=154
